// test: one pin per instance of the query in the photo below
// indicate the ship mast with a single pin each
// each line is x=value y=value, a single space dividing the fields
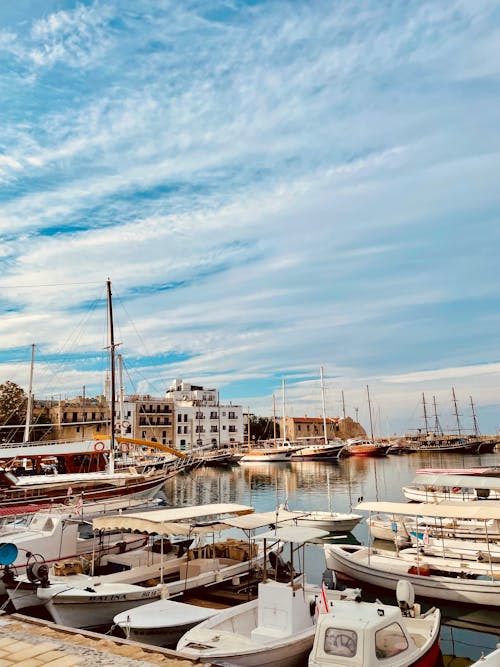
x=456 y=411
x=113 y=379
x=437 y=425
x=474 y=418
x=425 y=415
x=29 y=407
x=323 y=405
x=370 y=412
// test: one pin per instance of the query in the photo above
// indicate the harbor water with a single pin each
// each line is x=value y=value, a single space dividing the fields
x=467 y=631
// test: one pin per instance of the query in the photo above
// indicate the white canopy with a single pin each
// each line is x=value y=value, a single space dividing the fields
x=176 y=521
x=297 y=534
x=482 y=510
x=461 y=481
x=260 y=519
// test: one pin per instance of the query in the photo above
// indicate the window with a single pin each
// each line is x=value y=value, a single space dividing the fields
x=340 y=641
x=213 y=428
x=231 y=415
x=299 y=427
x=213 y=415
x=390 y=641
x=185 y=429
x=179 y=417
x=179 y=429
x=185 y=417
x=232 y=429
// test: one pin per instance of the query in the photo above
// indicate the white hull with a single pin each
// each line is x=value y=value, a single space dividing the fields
x=265 y=457
x=432 y=496
x=385 y=570
x=161 y=623
x=332 y=522
x=81 y=608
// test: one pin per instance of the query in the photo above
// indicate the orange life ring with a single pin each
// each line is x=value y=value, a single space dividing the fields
x=124 y=447
x=99 y=447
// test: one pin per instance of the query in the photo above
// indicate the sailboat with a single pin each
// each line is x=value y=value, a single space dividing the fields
x=372 y=447
x=36 y=489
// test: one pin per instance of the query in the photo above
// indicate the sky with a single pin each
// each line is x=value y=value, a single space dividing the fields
x=271 y=187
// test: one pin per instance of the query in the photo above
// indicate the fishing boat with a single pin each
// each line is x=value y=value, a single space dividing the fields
x=161 y=623
x=437 y=578
x=436 y=488
x=276 y=629
x=74 y=602
x=365 y=634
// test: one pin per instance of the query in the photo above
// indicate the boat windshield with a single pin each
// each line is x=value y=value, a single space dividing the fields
x=390 y=641
x=340 y=641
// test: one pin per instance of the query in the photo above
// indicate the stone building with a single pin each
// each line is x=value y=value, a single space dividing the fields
x=312 y=428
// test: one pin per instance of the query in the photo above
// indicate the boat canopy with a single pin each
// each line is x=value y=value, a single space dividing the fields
x=467 y=481
x=481 y=510
x=261 y=519
x=177 y=521
x=293 y=534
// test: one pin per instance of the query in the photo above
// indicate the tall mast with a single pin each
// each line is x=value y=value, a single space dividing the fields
x=248 y=427
x=121 y=401
x=343 y=404
x=274 y=418
x=284 y=417
x=456 y=410
x=113 y=379
x=323 y=405
x=474 y=418
x=370 y=412
x=29 y=407
x=437 y=426
x=425 y=415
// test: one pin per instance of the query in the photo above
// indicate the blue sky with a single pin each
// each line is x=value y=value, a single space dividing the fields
x=271 y=187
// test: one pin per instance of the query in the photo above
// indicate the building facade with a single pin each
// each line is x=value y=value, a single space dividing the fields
x=312 y=428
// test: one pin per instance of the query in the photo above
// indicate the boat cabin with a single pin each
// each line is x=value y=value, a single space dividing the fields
x=362 y=635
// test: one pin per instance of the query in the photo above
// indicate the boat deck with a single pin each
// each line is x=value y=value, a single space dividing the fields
x=30 y=642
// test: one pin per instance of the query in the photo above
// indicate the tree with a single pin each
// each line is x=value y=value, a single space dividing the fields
x=13 y=402
x=262 y=428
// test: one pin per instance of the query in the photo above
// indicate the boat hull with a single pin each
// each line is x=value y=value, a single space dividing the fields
x=384 y=572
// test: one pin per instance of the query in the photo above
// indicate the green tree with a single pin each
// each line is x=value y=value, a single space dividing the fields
x=262 y=428
x=13 y=403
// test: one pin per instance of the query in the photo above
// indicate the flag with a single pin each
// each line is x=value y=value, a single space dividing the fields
x=426 y=539
x=70 y=491
x=322 y=601
x=79 y=506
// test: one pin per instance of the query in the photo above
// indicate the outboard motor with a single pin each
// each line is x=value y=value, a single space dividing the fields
x=405 y=595
x=329 y=579
x=38 y=573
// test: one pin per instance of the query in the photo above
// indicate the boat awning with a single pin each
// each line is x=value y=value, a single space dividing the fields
x=177 y=521
x=261 y=519
x=467 y=481
x=297 y=534
x=481 y=510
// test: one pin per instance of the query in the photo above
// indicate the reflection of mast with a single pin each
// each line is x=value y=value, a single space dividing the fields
x=474 y=418
x=323 y=404
x=456 y=410
x=425 y=414
x=29 y=407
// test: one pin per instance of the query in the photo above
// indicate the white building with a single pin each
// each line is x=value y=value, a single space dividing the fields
x=199 y=419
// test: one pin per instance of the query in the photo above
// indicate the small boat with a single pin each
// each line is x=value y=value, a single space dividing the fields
x=161 y=623
x=437 y=578
x=435 y=488
x=270 y=454
x=277 y=629
x=489 y=660
x=363 y=634
x=319 y=452
x=366 y=448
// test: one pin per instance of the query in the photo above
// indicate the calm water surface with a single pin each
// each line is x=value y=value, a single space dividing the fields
x=311 y=485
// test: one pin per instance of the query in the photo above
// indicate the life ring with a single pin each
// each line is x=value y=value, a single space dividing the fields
x=124 y=447
x=99 y=447
x=125 y=423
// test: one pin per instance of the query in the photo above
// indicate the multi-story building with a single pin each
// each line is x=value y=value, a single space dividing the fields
x=78 y=418
x=200 y=420
x=147 y=418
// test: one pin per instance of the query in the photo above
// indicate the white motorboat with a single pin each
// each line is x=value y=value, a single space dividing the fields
x=490 y=660
x=161 y=623
x=363 y=634
x=384 y=527
x=333 y=522
x=270 y=453
x=445 y=487
x=438 y=578
x=73 y=601
x=276 y=630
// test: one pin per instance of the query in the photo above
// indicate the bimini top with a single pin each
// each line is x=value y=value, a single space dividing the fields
x=481 y=510
x=261 y=519
x=462 y=481
x=176 y=521
x=298 y=534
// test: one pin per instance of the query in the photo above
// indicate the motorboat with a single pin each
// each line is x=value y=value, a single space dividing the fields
x=489 y=660
x=363 y=634
x=161 y=623
x=326 y=451
x=270 y=453
x=437 y=578
x=445 y=487
x=365 y=448
x=277 y=628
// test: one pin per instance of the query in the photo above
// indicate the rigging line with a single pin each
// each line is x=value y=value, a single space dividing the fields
x=87 y=282
x=138 y=334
